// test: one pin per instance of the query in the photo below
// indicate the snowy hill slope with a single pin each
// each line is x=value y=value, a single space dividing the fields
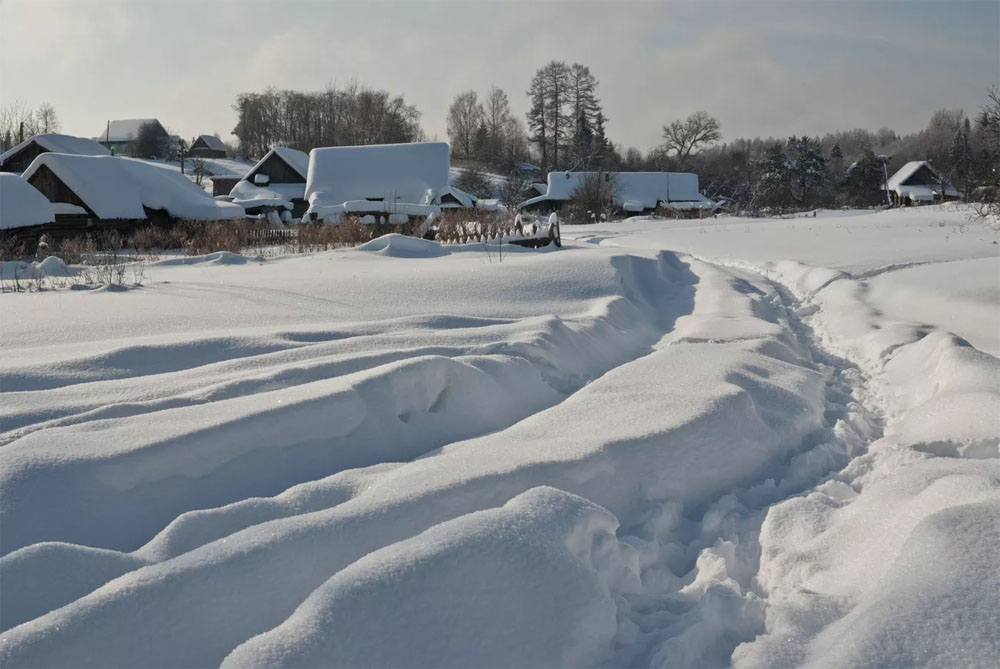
x=669 y=443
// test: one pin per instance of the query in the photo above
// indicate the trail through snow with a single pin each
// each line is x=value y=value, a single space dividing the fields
x=610 y=455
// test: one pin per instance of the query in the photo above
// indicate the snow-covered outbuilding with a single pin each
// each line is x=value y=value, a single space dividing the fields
x=917 y=182
x=634 y=192
x=118 y=136
x=17 y=158
x=456 y=198
x=277 y=181
x=394 y=181
x=21 y=205
x=123 y=191
x=208 y=146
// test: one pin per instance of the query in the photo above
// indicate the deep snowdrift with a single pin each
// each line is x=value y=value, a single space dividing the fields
x=605 y=455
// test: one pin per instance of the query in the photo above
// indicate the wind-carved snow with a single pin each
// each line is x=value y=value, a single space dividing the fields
x=601 y=456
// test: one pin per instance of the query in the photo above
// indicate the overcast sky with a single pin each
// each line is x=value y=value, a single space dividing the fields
x=762 y=68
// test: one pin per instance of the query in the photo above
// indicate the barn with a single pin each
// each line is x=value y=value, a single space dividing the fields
x=17 y=158
x=394 y=181
x=279 y=175
x=917 y=182
x=119 y=193
x=207 y=146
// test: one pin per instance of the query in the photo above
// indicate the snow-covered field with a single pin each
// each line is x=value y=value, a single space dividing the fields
x=763 y=443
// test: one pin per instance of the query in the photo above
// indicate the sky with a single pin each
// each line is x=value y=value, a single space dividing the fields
x=762 y=68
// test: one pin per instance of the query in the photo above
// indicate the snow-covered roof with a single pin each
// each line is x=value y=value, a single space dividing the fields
x=212 y=142
x=57 y=143
x=125 y=129
x=916 y=193
x=297 y=160
x=634 y=191
x=21 y=205
x=118 y=188
x=897 y=181
x=249 y=196
x=464 y=199
x=386 y=176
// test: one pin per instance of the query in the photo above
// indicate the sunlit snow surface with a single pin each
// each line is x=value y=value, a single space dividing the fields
x=670 y=443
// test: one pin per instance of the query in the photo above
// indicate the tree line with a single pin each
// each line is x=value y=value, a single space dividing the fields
x=352 y=115
x=19 y=122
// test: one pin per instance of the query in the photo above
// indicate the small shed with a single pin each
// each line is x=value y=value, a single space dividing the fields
x=223 y=185
x=207 y=146
x=17 y=158
x=456 y=198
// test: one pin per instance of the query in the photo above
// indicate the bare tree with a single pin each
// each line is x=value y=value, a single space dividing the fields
x=464 y=118
x=17 y=122
x=685 y=138
x=46 y=118
x=593 y=198
x=496 y=108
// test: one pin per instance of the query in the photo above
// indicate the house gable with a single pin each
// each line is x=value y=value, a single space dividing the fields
x=277 y=170
x=55 y=189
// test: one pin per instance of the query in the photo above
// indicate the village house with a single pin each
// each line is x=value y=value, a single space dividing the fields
x=119 y=136
x=17 y=158
x=395 y=183
x=917 y=182
x=634 y=192
x=277 y=181
x=207 y=146
x=120 y=193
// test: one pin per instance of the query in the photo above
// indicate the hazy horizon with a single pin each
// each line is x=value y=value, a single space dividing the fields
x=762 y=68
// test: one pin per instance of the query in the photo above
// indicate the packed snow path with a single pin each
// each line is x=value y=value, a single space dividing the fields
x=607 y=455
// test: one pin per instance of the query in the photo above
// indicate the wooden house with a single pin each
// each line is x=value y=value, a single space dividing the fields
x=119 y=193
x=917 y=182
x=207 y=146
x=119 y=136
x=17 y=158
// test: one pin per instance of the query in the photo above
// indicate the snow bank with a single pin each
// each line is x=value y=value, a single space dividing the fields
x=735 y=409
x=402 y=246
x=386 y=175
x=544 y=568
x=35 y=270
x=607 y=456
x=21 y=204
x=217 y=258
x=121 y=188
x=924 y=504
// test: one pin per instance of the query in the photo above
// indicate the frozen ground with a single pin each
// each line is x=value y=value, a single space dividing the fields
x=757 y=443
